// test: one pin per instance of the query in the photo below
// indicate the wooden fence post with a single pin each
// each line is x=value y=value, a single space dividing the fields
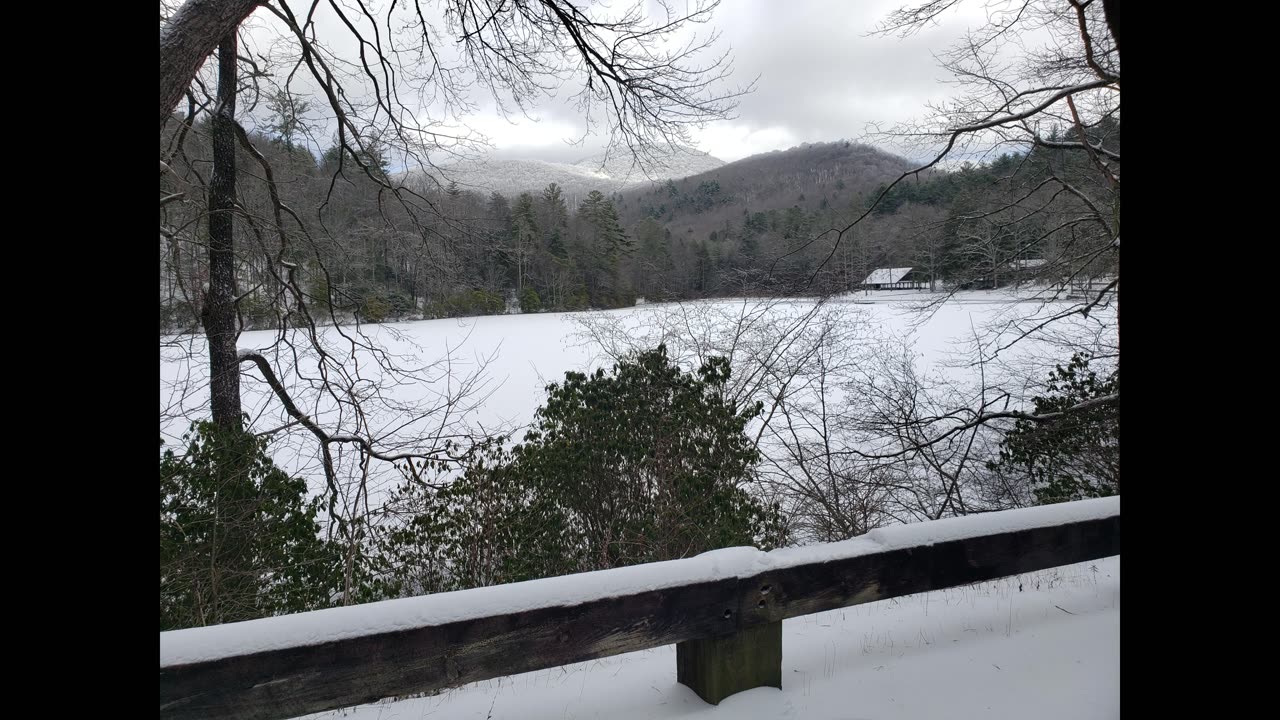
x=718 y=667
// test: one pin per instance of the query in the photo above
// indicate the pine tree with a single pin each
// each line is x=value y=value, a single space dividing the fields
x=604 y=243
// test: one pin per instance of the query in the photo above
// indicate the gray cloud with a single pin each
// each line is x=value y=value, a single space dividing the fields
x=819 y=74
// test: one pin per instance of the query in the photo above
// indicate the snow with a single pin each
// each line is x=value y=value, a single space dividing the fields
x=615 y=173
x=1027 y=263
x=1042 y=645
x=521 y=354
x=958 y=528
x=987 y=650
x=886 y=276
x=210 y=643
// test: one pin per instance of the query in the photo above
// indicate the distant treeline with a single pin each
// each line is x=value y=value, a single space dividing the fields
x=369 y=245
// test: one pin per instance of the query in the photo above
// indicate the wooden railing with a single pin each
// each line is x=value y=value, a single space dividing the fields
x=728 y=630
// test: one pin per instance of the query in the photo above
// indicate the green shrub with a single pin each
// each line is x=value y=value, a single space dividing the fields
x=1076 y=456
x=238 y=538
x=318 y=289
x=577 y=300
x=399 y=303
x=469 y=303
x=374 y=309
x=257 y=312
x=641 y=464
x=530 y=302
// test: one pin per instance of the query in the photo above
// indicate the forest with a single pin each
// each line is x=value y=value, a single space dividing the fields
x=343 y=457
x=745 y=229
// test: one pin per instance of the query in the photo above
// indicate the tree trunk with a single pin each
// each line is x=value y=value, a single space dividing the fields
x=188 y=38
x=1111 y=9
x=219 y=313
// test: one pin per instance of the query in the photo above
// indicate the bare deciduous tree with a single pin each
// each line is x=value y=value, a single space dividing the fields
x=1041 y=78
x=321 y=382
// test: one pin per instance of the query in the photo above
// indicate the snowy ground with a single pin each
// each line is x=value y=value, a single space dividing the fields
x=1042 y=645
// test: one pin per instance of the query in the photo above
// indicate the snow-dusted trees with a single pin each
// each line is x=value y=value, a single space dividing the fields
x=1039 y=96
x=1039 y=99
x=601 y=242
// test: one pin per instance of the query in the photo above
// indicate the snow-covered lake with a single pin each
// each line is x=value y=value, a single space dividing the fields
x=515 y=356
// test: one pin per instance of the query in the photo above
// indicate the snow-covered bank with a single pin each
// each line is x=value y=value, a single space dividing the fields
x=519 y=354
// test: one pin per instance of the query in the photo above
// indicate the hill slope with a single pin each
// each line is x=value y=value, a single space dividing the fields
x=813 y=177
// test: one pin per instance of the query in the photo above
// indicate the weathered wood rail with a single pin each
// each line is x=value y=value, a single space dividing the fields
x=728 y=630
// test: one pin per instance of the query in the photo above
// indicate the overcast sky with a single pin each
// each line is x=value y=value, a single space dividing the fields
x=821 y=77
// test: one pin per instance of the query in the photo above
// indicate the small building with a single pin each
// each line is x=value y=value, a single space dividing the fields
x=1023 y=270
x=894 y=279
x=1027 y=264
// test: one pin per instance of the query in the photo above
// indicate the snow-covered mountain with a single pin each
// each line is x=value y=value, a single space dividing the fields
x=617 y=173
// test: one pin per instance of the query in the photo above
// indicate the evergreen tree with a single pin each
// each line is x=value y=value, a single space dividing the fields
x=556 y=212
x=238 y=539
x=653 y=262
x=704 y=270
x=604 y=243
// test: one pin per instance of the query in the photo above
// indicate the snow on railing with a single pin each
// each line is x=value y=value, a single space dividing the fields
x=720 y=606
